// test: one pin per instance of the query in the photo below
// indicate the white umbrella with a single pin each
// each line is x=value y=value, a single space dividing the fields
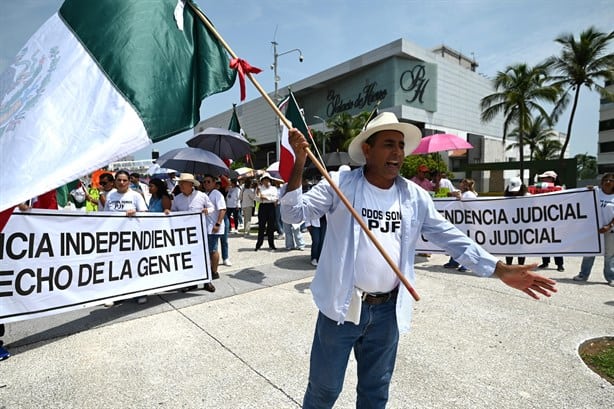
x=155 y=169
x=245 y=171
x=273 y=170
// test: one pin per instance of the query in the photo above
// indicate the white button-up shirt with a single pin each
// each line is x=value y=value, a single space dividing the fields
x=333 y=284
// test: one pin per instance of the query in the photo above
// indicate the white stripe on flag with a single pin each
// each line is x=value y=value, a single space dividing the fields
x=66 y=118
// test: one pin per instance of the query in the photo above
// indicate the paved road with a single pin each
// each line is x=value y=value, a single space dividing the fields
x=475 y=344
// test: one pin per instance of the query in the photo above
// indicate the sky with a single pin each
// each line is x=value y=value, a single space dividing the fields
x=328 y=32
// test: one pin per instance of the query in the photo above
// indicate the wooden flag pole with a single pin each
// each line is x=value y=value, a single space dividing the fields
x=311 y=156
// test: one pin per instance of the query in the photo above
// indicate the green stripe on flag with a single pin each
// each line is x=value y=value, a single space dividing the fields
x=234 y=122
x=162 y=71
x=294 y=115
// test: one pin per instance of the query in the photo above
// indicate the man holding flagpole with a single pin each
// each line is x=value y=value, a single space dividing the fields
x=361 y=305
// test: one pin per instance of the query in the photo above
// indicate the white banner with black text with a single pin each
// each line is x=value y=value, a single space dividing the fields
x=553 y=224
x=56 y=261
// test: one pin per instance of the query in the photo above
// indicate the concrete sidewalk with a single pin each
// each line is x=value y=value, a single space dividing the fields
x=475 y=344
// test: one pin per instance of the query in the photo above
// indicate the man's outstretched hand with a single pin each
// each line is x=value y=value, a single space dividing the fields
x=524 y=279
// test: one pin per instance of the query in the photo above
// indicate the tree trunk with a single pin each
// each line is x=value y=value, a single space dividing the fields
x=571 y=117
x=521 y=142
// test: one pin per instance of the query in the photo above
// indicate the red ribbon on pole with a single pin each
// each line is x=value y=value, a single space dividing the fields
x=243 y=67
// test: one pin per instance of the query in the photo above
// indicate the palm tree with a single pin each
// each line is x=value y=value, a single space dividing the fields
x=534 y=136
x=586 y=166
x=519 y=90
x=344 y=127
x=549 y=149
x=582 y=62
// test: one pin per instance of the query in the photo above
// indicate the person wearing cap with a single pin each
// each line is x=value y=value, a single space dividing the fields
x=421 y=179
x=191 y=199
x=605 y=195
x=551 y=177
x=361 y=305
x=267 y=195
x=513 y=189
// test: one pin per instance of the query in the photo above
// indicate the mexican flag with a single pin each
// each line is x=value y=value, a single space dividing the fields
x=99 y=80
x=234 y=124
x=286 y=155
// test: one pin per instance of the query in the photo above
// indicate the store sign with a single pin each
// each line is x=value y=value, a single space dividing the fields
x=368 y=96
x=414 y=81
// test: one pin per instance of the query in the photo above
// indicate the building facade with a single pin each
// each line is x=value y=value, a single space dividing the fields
x=437 y=90
x=605 y=154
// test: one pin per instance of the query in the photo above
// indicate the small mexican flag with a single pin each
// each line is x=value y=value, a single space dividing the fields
x=99 y=80
x=293 y=114
x=234 y=124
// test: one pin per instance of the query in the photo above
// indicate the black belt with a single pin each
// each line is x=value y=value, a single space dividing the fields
x=375 y=299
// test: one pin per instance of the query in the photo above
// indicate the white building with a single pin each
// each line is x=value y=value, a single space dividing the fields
x=437 y=90
x=605 y=154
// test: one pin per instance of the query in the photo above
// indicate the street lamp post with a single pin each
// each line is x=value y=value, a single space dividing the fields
x=323 y=137
x=276 y=78
x=268 y=161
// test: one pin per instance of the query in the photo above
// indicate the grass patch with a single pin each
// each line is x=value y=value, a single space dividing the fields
x=598 y=354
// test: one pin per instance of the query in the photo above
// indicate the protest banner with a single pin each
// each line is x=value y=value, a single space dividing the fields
x=554 y=224
x=52 y=262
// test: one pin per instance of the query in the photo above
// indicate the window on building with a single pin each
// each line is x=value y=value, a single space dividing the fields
x=606 y=125
x=605 y=147
x=607 y=168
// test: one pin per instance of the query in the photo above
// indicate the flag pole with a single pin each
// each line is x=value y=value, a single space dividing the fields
x=311 y=156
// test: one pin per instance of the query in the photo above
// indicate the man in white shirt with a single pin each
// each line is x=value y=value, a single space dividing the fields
x=361 y=305
x=194 y=200
x=215 y=222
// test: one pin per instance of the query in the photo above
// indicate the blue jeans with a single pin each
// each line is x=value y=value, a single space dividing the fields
x=608 y=260
x=279 y=225
x=224 y=237
x=608 y=267
x=294 y=237
x=374 y=341
x=317 y=238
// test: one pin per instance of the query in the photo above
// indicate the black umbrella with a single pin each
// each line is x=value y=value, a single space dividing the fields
x=224 y=143
x=194 y=160
x=333 y=159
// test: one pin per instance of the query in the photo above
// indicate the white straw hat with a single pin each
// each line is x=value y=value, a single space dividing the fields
x=386 y=121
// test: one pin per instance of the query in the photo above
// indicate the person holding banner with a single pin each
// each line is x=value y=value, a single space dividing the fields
x=513 y=189
x=47 y=200
x=122 y=199
x=605 y=195
x=190 y=199
x=550 y=178
x=4 y=353
x=467 y=191
x=361 y=305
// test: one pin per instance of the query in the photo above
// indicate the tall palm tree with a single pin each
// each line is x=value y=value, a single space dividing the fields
x=549 y=149
x=586 y=166
x=582 y=62
x=519 y=91
x=534 y=136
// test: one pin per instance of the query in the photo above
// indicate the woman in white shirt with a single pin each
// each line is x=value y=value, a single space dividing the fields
x=248 y=200
x=605 y=195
